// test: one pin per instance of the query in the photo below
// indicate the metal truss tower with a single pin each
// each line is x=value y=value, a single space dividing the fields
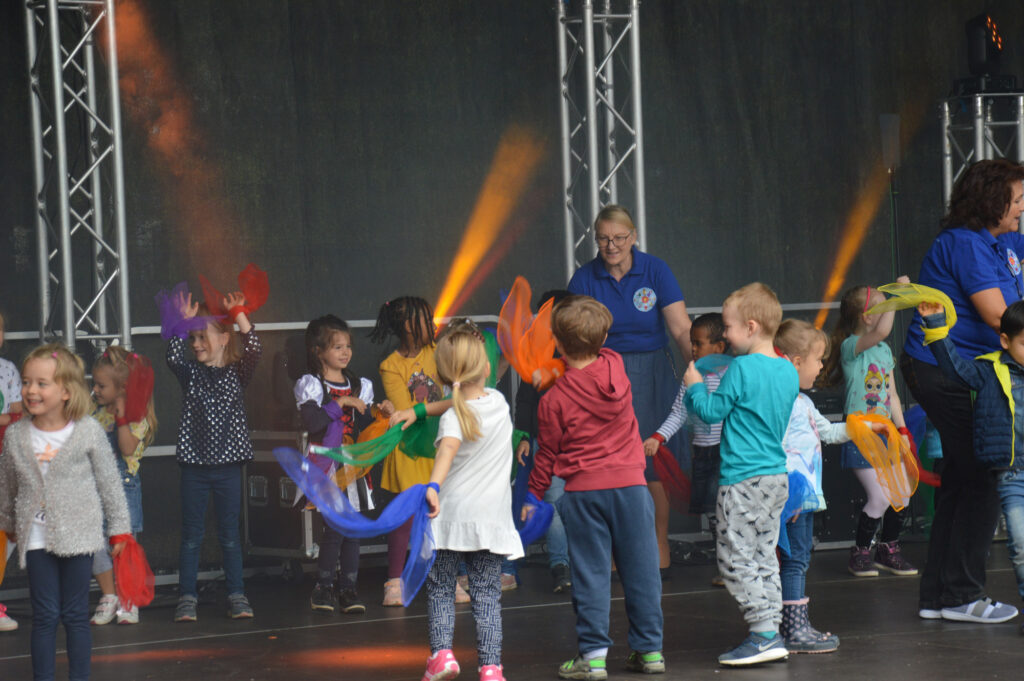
x=79 y=171
x=601 y=118
x=980 y=127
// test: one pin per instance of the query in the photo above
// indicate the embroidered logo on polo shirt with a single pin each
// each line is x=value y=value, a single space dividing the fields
x=1013 y=261
x=644 y=299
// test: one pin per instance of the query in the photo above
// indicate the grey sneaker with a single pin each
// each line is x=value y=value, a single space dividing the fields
x=186 y=610
x=594 y=669
x=238 y=607
x=983 y=610
x=646 y=663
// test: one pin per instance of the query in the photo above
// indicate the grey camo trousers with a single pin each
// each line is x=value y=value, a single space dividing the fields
x=484 y=572
x=748 y=515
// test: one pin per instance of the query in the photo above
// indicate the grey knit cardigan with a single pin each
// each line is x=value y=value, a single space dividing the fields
x=81 y=488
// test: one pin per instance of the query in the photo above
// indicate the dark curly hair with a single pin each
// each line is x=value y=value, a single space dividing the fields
x=982 y=195
x=394 y=314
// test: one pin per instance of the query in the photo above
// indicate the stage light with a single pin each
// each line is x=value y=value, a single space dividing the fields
x=984 y=46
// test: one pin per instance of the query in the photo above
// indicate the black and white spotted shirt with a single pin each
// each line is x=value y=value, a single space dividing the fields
x=213 y=428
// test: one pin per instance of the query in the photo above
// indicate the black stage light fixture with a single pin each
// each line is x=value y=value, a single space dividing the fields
x=984 y=46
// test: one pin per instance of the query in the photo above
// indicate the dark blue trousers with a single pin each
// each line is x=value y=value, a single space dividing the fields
x=58 y=588
x=619 y=523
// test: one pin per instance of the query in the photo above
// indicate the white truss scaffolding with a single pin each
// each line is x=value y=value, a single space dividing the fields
x=79 y=171
x=601 y=118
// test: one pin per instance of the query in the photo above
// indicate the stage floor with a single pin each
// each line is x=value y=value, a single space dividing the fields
x=876 y=619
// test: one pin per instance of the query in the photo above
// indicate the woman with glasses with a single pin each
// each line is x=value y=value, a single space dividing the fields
x=975 y=261
x=645 y=301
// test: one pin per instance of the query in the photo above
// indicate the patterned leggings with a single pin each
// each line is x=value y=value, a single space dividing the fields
x=484 y=570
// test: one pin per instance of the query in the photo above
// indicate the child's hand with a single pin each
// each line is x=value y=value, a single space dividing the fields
x=651 y=446
x=692 y=375
x=527 y=512
x=537 y=379
x=523 y=451
x=406 y=417
x=433 y=503
x=349 y=401
x=926 y=308
x=878 y=427
x=236 y=299
x=386 y=409
x=795 y=516
x=187 y=308
x=903 y=279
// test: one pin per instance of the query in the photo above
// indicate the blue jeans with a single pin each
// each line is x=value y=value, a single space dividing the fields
x=1011 y=494
x=793 y=568
x=558 y=543
x=224 y=482
x=59 y=591
x=619 y=523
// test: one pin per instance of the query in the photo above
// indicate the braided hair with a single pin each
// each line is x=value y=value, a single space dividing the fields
x=393 y=316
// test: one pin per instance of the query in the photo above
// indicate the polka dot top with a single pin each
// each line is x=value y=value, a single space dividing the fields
x=213 y=428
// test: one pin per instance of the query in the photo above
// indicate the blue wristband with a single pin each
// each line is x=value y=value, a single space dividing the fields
x=437 y=488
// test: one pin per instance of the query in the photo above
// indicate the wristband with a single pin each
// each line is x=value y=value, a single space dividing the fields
x=903 y=430
x=119 y=539
x=435 y=487
x=420 y=409
x=121 y=422
x=659 y=437
x=237 y=310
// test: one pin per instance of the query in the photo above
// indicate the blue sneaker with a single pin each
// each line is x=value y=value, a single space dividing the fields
x=754 y=650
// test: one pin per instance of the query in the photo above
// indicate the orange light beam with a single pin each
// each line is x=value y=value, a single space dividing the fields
x=514 y=163
x=864 y=210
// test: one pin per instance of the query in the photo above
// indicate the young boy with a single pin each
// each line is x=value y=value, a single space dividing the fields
x=706 y=338
x=754 y=401
x=588 y=436
x=998 y=380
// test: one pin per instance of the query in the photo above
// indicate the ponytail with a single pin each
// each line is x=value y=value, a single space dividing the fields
x=462 y=358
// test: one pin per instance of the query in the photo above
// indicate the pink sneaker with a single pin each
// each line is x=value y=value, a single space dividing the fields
x=491 y=672
x=442 y=665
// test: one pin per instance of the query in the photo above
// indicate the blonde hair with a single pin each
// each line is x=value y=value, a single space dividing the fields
x=617 y=214
x=69 y=374
x=115 y=358
x=757 y=302
x=580 y=323
x=233 y=350
x=462 y=358
x=797 y=338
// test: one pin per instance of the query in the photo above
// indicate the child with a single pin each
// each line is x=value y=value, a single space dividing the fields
x=996 y=378
x=804 y=346
x=588 y=436
x=129 y=441
x=470 y=502
x=332 y=414
x=705 y=339
x=58 y=484
x=409 y=376
x=10 y=411
x=753 y=401
x=213 y=445
x=860 y=354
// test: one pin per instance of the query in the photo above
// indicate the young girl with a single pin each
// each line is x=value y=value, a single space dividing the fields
x=409 y=376
x=58 y=484
x=335 y=405
x=860 y=354
x=128 y=441
x=213 y=445
x=10 y=411
x=472 y=512
x=804 y=346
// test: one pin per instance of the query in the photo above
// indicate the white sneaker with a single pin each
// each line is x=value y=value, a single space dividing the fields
x=105 y=610
x=7 y=623
x=130 y=616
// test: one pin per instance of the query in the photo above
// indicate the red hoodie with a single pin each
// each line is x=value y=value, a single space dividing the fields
x=587 y=431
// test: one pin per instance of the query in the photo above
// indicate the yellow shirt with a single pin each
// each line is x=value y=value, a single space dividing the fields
x=139 y=429
x=407 y=381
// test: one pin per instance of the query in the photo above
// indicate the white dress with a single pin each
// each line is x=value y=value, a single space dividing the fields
x=476 y=497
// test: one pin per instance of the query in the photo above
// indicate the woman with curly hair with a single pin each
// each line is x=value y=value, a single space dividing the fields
x=974 y=260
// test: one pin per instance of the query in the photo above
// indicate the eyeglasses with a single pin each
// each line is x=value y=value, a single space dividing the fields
x=618 y=240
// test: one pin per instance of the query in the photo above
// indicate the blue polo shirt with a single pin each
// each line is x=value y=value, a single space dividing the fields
x=635 y=301
x=960 y=263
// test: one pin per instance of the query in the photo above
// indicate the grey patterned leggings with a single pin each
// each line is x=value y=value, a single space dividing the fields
x=748 y=531
x=484 y=571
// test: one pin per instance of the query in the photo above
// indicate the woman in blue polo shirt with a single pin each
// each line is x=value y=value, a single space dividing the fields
x=645 y=300
x=975 y=261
